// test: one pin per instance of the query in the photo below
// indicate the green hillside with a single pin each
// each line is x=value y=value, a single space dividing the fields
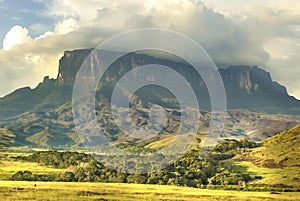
x=282 y=149
x=276 y=162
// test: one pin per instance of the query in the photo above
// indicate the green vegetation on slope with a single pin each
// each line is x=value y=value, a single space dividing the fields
x=270 y=176
x=188 y=170
x=217 y=170
x=283 y=148
x=276 y=162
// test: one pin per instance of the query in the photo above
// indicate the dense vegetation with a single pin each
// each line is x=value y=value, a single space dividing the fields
x=188 y=170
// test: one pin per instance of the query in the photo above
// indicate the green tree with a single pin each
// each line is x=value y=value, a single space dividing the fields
x=67 y=177
x=23 y=176
x=137 y=179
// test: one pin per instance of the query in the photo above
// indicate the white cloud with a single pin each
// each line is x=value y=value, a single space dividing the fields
x=66 y=26
x=17 y=35
x=281 y=47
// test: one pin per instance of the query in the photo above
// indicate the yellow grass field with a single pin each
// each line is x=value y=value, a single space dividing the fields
x=271 y=176
x=55 y=191
x=9 y=166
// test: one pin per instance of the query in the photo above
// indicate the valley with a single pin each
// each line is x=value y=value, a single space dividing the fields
x=262 y=181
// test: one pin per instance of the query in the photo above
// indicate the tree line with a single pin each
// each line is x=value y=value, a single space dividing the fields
x=189 y=170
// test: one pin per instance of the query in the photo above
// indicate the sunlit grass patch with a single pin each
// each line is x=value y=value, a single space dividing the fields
x=271 y=176
x=116 y=191
x=9 y=166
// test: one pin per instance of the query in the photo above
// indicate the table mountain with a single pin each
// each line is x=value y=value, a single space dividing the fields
x=43 y=116
x=247 y=87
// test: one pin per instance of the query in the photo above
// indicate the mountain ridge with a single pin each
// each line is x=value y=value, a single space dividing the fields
x=43 y=116
x=247 y=87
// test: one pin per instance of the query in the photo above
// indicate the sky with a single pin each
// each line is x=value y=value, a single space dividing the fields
x=35 y=33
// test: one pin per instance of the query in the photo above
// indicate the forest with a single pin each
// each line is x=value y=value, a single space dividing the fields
x=189 y=170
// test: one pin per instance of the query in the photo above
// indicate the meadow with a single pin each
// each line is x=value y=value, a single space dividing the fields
x=9 y=166
x=271 y=176
x=75 y=191
x=55 y=191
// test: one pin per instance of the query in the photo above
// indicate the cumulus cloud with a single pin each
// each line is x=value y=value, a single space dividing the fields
x=256 y=34
x=27 y=64
x=17 y=35
x=66 y=26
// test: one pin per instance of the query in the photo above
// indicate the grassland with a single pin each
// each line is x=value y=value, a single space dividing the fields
x=277 y=161
x=282 y=149
x=55 y=191
x=9 y=166
x=271 y=176
x=73 y=191
x=161 y=143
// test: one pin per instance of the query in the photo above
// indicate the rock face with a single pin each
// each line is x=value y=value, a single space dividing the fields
x=43 y=116
x=252 y=88
x=249 y=88
x=69 y=65
x=246 y=87
x=251 y=80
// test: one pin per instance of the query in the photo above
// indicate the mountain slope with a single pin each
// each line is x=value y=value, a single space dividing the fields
x=25 y=99
x=283 y=148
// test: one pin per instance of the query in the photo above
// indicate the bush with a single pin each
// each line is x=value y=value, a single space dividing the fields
x=66 y=177
x=23 y=176
x=137 y=179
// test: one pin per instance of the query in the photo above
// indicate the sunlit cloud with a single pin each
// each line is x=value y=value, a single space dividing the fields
x=17 y=35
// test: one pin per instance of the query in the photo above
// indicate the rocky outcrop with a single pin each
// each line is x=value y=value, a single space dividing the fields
x=251 y=80
x=69 y=66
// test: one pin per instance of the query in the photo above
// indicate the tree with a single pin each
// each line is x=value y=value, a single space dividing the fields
x=67 y=177
x=23 y=176
x=137 y=179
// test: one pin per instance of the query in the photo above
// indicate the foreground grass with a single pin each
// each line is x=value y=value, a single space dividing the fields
x=55 y=191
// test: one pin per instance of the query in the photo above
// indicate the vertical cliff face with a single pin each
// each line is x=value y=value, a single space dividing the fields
x=237 y=79
x=250 y=80
x=71 y=62
x=253 y=88
x=246 y=87
x=69 y=66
